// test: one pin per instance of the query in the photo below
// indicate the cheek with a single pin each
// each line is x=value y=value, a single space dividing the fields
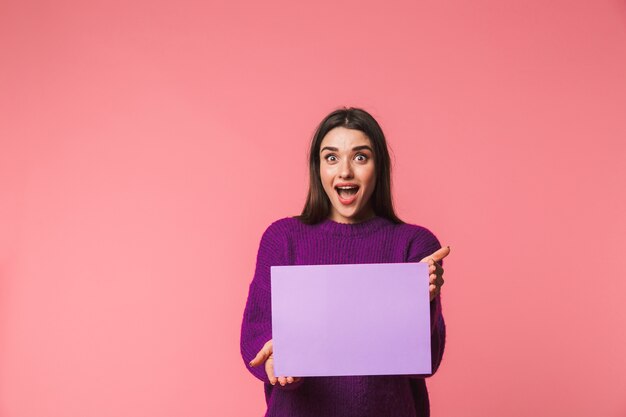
x=326 y=180
x=370 y=177
x=323 y=176
x=327 y=173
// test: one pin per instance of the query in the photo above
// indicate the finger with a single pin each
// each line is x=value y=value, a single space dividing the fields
x=263 y=354
x=432 y=278
x=439 y=281
x=434 y=291
x=282 y=380
x=289 y=380
x=259 y=358
x=438 y=255
x=269 y=370
x=432 y=268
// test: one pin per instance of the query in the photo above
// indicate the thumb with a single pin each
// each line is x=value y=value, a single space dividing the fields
x=263 y=354
x=438 y=255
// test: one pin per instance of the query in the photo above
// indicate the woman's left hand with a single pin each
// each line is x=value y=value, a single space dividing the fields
x=436 y=271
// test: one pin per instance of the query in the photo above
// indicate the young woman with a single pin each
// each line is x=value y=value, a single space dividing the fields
x=348 y=218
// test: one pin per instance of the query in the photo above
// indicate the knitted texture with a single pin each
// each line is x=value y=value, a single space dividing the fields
x=377 y=240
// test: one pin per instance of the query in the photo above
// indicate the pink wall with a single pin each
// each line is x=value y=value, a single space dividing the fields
x=145 y=147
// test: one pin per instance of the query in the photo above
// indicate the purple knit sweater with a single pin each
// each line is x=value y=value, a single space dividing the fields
x=377 y=240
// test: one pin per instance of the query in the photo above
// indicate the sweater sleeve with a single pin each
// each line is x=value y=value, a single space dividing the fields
x=256 y=327
x=423 y=244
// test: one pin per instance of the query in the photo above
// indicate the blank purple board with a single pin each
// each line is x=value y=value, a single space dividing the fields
x=351 y=319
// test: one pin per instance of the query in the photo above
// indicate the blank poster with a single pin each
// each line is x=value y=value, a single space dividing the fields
x=351 y=319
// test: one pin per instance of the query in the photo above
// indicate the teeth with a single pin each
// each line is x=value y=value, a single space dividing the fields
x=347 y=191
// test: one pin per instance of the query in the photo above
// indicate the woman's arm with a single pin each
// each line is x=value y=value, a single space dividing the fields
x=437 y=334
x=424 y=244
x=256 y=327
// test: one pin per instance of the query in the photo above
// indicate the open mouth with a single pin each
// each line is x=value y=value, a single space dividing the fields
x=347 y=192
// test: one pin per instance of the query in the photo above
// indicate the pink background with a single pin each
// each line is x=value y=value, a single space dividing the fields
x=145 y=147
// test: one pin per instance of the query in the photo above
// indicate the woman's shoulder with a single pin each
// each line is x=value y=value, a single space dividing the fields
x=421 y=240
x=281 y=227
x=417 y=231
x=284 y=223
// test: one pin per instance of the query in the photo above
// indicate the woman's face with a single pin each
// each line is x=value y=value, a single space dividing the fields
x=347 y=161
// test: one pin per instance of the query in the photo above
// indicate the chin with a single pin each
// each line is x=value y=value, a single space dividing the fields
x=351 y=215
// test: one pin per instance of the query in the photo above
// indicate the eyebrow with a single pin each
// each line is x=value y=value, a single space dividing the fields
x=356 y=148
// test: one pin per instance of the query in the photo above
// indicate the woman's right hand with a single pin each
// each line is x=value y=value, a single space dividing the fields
x=266 y=354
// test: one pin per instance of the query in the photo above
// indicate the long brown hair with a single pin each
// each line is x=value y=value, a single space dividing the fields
x=317 y=206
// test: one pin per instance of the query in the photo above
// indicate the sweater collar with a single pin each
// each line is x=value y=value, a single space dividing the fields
x=363 y=228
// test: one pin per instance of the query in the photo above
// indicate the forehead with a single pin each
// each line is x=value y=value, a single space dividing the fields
x=345 y=139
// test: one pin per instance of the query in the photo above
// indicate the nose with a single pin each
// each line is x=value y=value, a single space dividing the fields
x=345 y=171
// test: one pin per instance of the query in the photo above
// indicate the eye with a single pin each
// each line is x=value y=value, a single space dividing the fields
x=330 y=155
x=364 y=157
